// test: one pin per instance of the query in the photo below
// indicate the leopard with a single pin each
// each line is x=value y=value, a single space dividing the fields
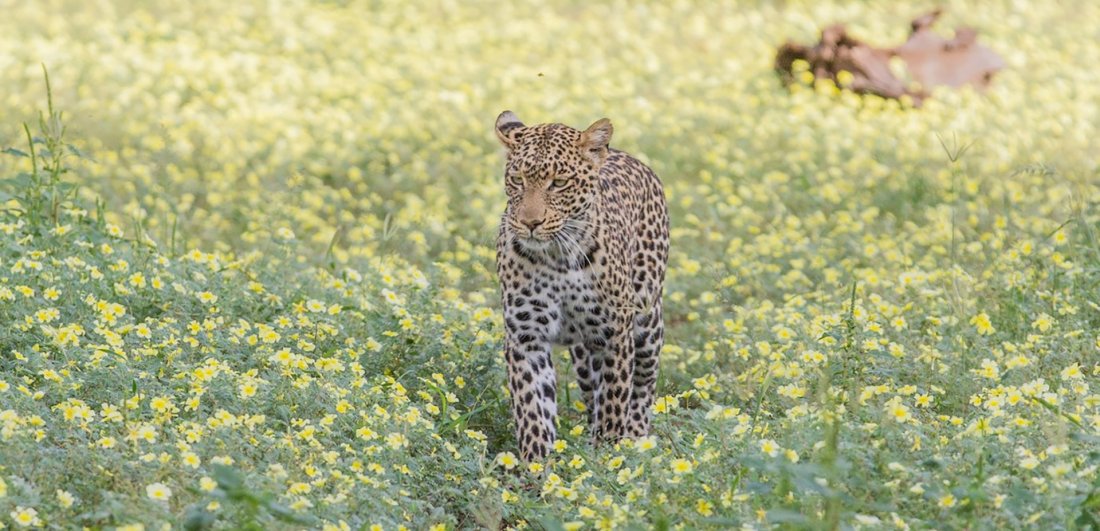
x=582 y=251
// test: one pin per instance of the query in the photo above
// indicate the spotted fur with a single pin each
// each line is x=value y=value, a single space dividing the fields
x=581 y=256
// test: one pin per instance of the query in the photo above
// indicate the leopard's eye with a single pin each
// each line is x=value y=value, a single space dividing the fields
x=559 y=183
x=515 y=180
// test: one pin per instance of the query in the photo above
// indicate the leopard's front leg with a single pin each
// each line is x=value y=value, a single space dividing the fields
x=533 y=385
x=616 y=380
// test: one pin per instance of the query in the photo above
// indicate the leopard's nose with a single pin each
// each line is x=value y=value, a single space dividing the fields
x=532 y=224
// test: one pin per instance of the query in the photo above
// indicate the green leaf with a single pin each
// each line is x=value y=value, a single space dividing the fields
x=551 y=524
x=66 y=187
x=786 y=516
x=198 y=518
x=285 y=514
x=721 y=522
x=79 y=154
x=228 y=479
x=21 y=181
x=932 y=464
x=808 y=485
x=16 y=152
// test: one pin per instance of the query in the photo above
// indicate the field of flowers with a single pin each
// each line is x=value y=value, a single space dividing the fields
x=263 y=296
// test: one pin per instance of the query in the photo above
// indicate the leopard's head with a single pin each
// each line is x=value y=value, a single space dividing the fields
x=551 y=177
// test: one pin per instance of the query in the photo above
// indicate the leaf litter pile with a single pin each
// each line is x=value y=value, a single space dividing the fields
x=930 y=61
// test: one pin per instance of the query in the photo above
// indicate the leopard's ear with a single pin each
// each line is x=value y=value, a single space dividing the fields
x=509 y=129
x=594 y=140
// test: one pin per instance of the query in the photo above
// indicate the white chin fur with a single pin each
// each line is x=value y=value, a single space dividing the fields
x=534 y=244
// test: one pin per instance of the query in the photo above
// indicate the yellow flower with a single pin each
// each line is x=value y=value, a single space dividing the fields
x=899 y=412
x=158 y=491
x=681 y=466
x=665 y=404
x=25 y=516
x=1059 y=470
x=146 y=433
x=507 y=459
x=982 y=324
x=160 y=404
x=947 y=501
x=769 y=447
x=397 y=440
x=615 y=462
x=989 y=369
x=646 y=443
x=190 y=459
x=1073 y=371
x=65 y=498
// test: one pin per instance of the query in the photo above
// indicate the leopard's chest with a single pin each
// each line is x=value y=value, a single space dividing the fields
x=582 y=313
